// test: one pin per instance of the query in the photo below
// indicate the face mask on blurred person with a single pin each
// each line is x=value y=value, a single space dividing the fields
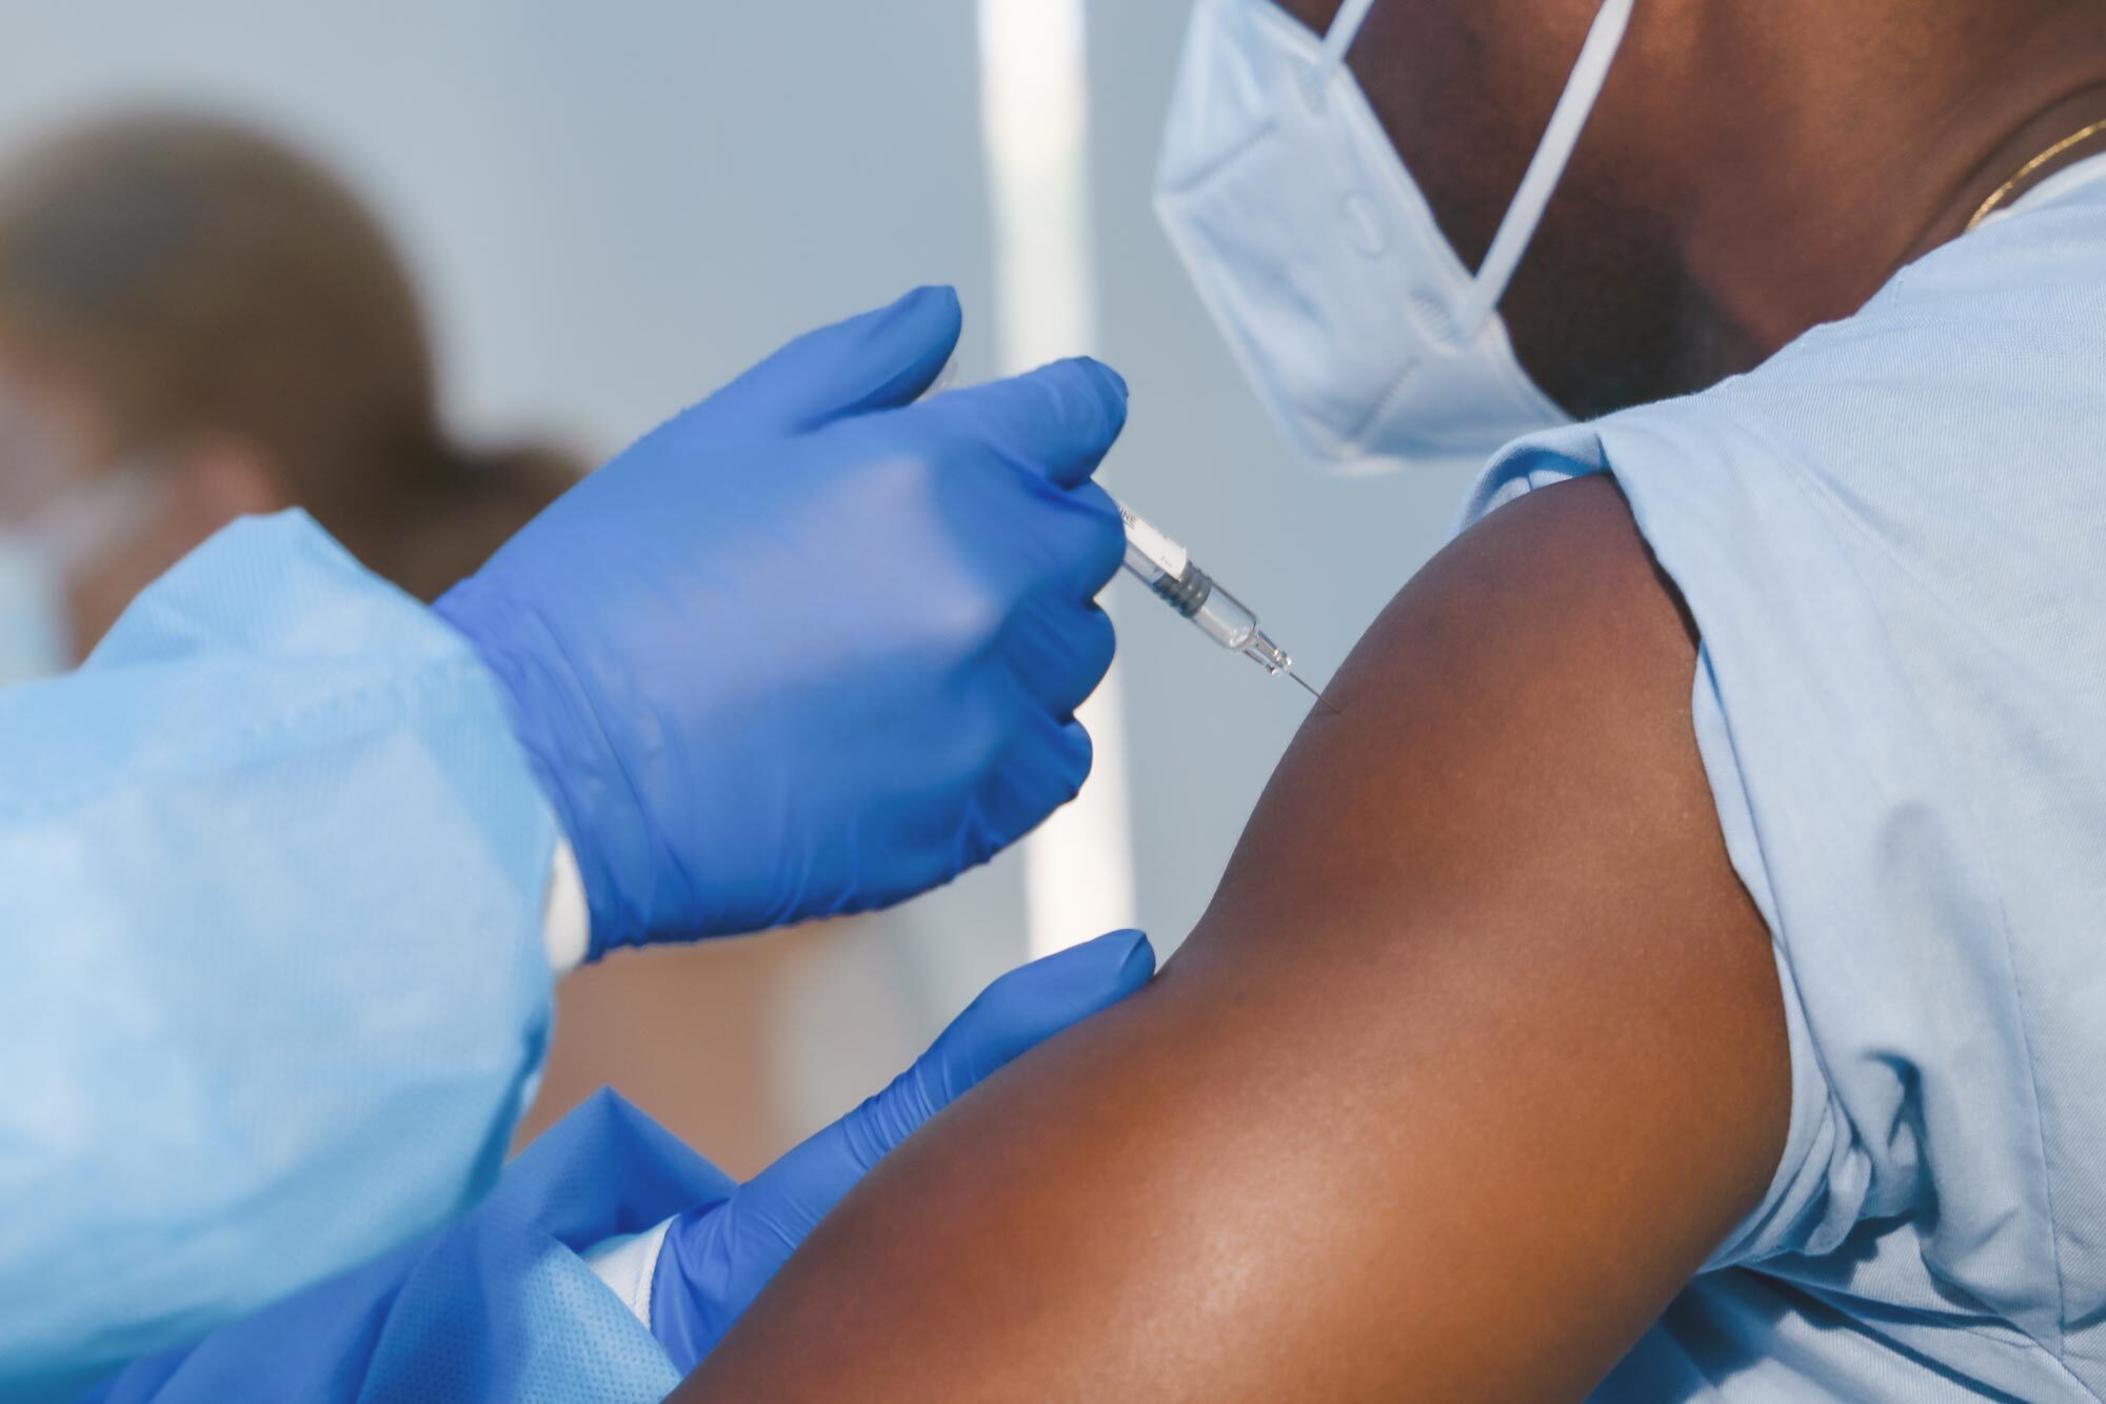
x=35 y=640
x=1363 y=332
x=54 y=527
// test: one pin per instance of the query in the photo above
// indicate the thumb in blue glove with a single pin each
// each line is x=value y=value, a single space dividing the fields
x=715 y=1260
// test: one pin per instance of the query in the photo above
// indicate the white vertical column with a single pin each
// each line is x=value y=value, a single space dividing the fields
x=1034 y=102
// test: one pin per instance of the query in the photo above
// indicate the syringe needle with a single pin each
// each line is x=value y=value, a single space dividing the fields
x=1306 y=687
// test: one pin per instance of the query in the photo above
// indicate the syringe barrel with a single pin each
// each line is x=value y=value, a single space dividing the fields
x=1168 y=569
x=1144 y=568
x=1224 y=617
x=1186 y=591
x=1193 y=593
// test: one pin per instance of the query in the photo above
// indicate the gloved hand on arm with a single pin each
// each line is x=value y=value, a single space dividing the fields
x=712 y=1261
x=812 y=647
x=499 y=1305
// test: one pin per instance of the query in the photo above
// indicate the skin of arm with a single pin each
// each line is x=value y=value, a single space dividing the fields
x=1476 y=1055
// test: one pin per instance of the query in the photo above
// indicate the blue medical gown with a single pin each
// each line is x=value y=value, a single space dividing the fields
x=1892 y=537
x=497 y=1307
x=271 y=883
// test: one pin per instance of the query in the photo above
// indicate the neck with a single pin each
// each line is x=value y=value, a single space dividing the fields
x=1851 y=161
x=2060 y=135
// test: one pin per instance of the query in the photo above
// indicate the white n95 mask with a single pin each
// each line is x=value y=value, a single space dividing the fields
x=42 y=556
x=54 y=527
x=1365 y=336
x=35 y=640
x=34 y=633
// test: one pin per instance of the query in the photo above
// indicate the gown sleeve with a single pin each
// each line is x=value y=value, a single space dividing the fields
x=502 y=1305
x=273 y=986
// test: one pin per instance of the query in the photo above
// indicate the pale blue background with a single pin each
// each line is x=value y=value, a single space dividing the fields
x=613 y=208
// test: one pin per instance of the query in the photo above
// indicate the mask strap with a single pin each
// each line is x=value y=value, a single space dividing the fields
x=1559 y=139
x=1338 y=42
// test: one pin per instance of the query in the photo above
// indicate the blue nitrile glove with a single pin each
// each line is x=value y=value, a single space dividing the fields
x=810 y=647
x=715 y=1260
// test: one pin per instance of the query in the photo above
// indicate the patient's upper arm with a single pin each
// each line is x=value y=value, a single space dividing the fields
x=1477 y=1054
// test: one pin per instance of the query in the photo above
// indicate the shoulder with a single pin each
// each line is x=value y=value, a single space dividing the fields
x=1522 y=707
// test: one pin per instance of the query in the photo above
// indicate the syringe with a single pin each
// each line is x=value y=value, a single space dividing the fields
x=1168 y=569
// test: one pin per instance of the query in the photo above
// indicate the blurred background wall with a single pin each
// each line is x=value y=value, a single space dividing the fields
x=613 y=209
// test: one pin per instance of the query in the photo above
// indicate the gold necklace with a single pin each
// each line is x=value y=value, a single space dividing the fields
x=2003 y=192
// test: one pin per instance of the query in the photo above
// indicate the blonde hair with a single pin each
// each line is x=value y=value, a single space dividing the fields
x=197 y=277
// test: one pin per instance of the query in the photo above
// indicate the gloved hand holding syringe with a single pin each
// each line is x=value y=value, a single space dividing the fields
x=1169 y=570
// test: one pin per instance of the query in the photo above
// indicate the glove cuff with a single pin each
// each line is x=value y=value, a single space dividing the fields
x=629 y=1267
x=565 y=748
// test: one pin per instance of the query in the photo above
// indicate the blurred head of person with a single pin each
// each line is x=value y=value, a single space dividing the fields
x=198 y=323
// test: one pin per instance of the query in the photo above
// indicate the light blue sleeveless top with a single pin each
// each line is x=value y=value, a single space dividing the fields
x=1893 y=539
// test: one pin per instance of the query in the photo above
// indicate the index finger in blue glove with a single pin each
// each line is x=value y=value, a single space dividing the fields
x=881 y=359
x=1014 y=1014
x=1022 y=1009
x=1059 y=420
